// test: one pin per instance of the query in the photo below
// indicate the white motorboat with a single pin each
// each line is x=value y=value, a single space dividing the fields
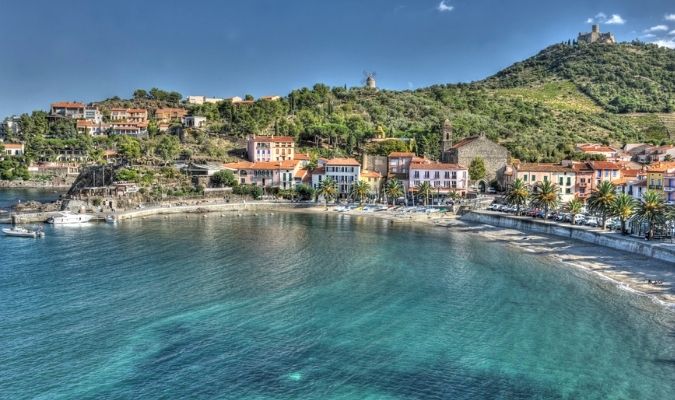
x=23 y=232
x=111 y=219
x=68 y=217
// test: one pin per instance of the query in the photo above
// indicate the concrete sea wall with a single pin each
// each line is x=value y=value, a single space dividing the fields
x=660 y=251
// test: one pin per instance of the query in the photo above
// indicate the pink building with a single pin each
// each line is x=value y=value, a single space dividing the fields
x=443 y=178
x=270 y=148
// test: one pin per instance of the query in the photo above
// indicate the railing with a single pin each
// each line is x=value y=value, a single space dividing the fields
x=656 y=187
x=669 y=188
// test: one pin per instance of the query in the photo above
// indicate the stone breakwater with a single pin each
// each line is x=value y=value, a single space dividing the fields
x=659 y=251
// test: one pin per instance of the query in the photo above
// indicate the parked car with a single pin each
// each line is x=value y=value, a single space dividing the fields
x=579 y=219
x=591 y=221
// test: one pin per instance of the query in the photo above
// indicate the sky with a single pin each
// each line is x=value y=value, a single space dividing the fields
x=90 y=50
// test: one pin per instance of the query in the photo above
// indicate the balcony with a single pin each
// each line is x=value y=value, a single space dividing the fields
x=655 y=187
x=669 y=188
x=582 y=185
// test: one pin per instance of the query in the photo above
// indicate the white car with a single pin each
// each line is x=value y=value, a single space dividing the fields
x=591 y=221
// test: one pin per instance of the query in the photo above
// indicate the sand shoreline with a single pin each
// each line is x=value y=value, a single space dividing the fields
x=626 y=270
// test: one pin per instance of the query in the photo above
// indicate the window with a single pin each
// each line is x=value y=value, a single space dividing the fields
x=416 y=183
x=447 y=175
x=569 y=181
x=437 y=183
x=437 y=175
x=426 y=174
x=525 y=177
x=454 y=174
x=534 y=178
x=545 y=178
x=560 y=181
x=568 y=191
x=416 y=174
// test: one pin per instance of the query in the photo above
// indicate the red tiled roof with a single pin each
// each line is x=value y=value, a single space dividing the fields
x=273 y=139
x=67 y=104
x=301 y=173
x=301 y=157
x=435 y=165
x=319 y=171
x=84 y=123
x=403 y=154
x=596 y=148
x=543 y=167
x=370 y=174
x=343 y=161
x=13 y=146
x=263 y=165
x=604 y=165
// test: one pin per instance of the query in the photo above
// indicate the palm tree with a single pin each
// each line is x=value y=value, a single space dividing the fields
x=327 y=189
x=360 y=190
x=546 y=195
x=424 y=189
x=601 y=200
x=517 y=194
x=574 y=207
x=652 y=210
x=393 y=190
x=623 y=207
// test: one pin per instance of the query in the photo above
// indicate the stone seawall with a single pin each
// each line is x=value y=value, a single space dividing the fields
x=660 y=251
x=206 y=208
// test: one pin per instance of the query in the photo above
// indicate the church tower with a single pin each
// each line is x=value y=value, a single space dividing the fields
x=446 y=140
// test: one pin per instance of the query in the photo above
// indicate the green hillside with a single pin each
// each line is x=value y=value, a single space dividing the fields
x=539 y=108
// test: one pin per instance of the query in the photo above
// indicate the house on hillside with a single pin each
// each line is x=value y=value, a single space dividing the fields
x=67 y=109
x=270 y=148
x=13 y=149
x=266 y=174
x=193 y=121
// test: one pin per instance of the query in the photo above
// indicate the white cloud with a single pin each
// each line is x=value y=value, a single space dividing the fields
x=669 y=43
x=670 y=17
x=601 y=18
x=615 y=20
x=657 y=28
x=649 y=35
x=443 y=7
x=672 y=32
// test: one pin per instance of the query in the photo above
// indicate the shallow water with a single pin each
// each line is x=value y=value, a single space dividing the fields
x=11 y=196
x=292 y=306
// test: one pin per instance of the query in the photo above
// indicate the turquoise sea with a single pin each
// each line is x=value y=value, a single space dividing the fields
x=293 y=306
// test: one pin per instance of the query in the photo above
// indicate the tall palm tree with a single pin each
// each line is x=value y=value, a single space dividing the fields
x=601 y=199
x=360 y=189
x=652 y=210
x=393 y=190
x=424 y=189
x=623 y=207
x=574 y=207
x=546 y=195
x=327 y=189
x=517 y=194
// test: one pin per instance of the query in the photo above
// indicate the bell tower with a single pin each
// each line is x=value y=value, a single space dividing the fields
x=446 y=140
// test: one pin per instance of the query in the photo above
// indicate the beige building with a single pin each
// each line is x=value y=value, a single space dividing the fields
x=374 y=180
x=563 y=176
x=270 y=148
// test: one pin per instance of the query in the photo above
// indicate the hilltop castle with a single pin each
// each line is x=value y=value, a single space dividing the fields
x=594 y=36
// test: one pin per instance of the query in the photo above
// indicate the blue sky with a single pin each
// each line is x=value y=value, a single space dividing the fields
x=90 y=50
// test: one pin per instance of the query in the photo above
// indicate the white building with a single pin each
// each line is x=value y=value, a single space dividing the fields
x=344 y=171
x=13 y=149
x=93 y=114
x=192 y=121
x=203 y=99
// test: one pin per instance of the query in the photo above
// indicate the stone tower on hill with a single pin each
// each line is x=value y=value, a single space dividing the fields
x=446 y=140
x=595 y=36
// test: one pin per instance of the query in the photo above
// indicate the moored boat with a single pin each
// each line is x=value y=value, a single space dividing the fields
x=68 y=217
x=23 y=232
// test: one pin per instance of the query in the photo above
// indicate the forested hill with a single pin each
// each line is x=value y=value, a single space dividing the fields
x=621 y=78
x=539 y=108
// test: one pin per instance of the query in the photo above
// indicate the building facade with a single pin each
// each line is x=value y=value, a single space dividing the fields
x=67 y=109
x=266 y=174
x=538 y=173
x=442 y=177
x=270 y=148
x=344 y=171
x=495 y=156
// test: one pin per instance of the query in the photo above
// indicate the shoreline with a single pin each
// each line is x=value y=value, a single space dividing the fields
x=625 y=270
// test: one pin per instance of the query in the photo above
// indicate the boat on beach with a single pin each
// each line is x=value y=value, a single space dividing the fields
x=68 y=217
x=18 y=231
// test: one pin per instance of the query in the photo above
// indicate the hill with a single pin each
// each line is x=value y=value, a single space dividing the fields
x=538 y=108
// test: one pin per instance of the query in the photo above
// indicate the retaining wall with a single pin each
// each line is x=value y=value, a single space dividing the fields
x=660 y=251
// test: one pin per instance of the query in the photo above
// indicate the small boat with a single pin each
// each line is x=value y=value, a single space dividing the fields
x=111 y=219
x=23 y=232
x=68 y=217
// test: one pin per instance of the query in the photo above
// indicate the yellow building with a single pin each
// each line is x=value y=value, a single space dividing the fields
x=374 y=180
x=655 y=174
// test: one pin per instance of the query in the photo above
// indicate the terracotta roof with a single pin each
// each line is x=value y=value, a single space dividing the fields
x=630 y=173
x=85 y=123
x=263 y=165
x=582 y=168
x=301 y=157
x=15 y=146
x=661 y=166
x=67 y=104
x=301 y=173
x=401 y=154
x=604 y=165
x=118 y=109
x=343 y=161
x=370 y=174
x=137 y=110
x=435 y=165
x=543 y=167
x=273 y=139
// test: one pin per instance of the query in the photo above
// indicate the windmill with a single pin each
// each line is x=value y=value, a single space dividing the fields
x=369 y=79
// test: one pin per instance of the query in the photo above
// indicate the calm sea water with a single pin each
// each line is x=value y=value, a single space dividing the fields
x=290 y=306
x=9 y=197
